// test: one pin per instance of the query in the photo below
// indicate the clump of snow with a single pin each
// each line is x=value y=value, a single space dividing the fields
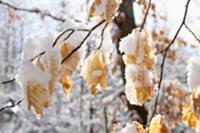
x=28 y=73
x=194 y=72
x=129 y=128
x=127 y=44
x=35 y=44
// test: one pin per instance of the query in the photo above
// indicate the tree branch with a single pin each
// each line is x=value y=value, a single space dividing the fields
x=145 y=17
x=36 y=11
x=194 y=35
x=164 y=58
x=102 y=33
x=11 y=106
x=86 y=37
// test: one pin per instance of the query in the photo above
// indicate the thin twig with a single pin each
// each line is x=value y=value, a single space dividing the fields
x=145 y=17
x=60 y=35
x=36 y=11
x=8 y=81
x=11 y=106
x=84 y=39
x=102 y=33
x=194 y=35
x=105 y=119
x=164 y=58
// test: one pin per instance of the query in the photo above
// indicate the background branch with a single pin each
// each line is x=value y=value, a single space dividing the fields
x=11 y=106
x=195 y=36
x=145 y=17
x=36 y=11
x=164 y=58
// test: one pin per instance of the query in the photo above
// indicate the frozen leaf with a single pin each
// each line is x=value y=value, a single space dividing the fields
x=139 y=86
x=38 y=78
x=35 y=84
x=137 y=49
x=94 y=71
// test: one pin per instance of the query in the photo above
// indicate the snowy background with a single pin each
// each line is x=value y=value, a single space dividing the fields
x=80 y=112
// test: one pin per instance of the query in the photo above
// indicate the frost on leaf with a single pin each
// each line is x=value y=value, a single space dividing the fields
x=157 y=125
x=38 y=78
x=135 y=127
x=34 y=83
x=94 y=71
x=139 y=86
x=104 y=8
x=137 y=49
x=139 y=60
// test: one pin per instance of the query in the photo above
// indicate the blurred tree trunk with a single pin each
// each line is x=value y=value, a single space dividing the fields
x=126 y=23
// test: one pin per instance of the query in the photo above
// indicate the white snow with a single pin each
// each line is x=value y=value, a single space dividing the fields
x=129 y=128
x=194 y=72
x=127 y=44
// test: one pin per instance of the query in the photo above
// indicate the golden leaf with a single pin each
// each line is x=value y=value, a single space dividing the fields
x=139 y=95
x=38 y=97
x=94 y=71
x=104 y=8
x=190 y=117
x=157 y=125
x=139 y=87
x=67 y=85
x=70 y=65
x=143 y=48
